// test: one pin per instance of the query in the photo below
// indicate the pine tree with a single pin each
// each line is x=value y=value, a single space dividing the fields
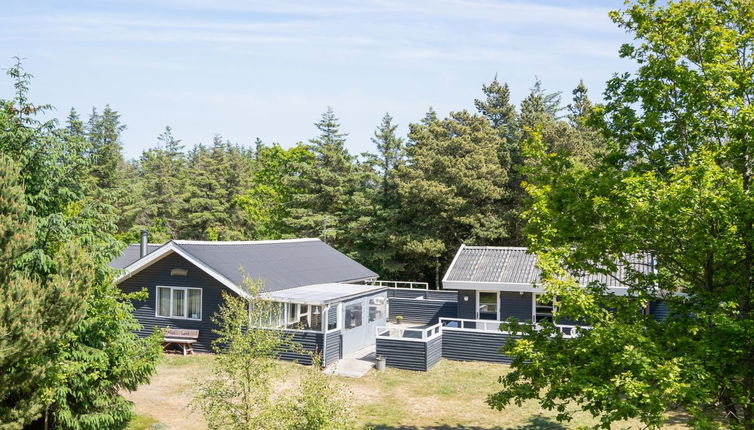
x=162 y=185
x=35 y=313
x=107 y=161
x=453 y=190
x=98 y=353
x=497 y=106
x=581 y=107
x=390 y=156
x=327 y=185
x=540 y=106
x=217 y=177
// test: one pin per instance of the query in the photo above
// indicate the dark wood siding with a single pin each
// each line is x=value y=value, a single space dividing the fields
x=470 y=345
x=420 y=311
x=311 y=342
x=447 y=295
x=659 y=310
x=333 y=347
x=467 y=304
x=514 y=304
x=434 y=351
x=405 y=293
x=159 y=274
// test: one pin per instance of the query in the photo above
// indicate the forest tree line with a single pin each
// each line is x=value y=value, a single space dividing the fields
x=402 y=211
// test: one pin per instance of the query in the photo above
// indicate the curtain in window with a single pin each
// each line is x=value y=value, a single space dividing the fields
x=178 y=303
x=316 y=318
x=195 y=304
x=163 y=302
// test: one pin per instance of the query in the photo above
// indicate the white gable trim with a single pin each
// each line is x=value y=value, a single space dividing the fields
x=168 y=249
x=452 y=263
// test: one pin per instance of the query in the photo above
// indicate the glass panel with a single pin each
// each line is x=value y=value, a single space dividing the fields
x=376 y=308
x=488 y=306
x=292 y=313
x=279 y=319
x=332 y=317
x=178 y=303
x=543 y=309
x=353 y=315
x=195 y=303
x=163 y=302
x=316 y=318
x=303 y=316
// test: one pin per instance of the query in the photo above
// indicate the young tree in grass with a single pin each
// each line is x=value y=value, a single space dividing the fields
x=676 y=184
x=243 y=389
x=320 y=404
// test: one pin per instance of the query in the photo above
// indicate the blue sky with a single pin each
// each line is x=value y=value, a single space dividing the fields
x=247 y=69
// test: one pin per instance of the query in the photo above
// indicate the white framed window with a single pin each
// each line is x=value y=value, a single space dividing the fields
x=542 y=309
x=377 y=307
x=353 y=315
x=178 y=302
x=488 y=305
x=304 y=317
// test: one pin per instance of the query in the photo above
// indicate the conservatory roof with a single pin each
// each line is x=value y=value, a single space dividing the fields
x=322 y=294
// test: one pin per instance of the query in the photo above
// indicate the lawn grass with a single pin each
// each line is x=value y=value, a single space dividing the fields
x=142 y=422
x=451 y=396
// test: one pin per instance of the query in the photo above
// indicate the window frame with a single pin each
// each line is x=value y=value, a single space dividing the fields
x=553 y=307
x=185 y=290
x=479 y=303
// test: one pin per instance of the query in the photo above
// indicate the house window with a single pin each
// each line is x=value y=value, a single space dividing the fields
x=353 y=315
x=543 y=308
x=376 y=308
x=271 y=314
x=304 y=317
x=488 y=304
x=179 y=302
x=332 y=317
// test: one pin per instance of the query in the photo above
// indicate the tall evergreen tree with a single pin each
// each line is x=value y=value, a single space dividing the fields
x=162 y=183
x=35 y=313
x=218 y=175
x=326 y=186
x=455 y=185
x=390 y=156
x=99 y=354
x=497 y=107
x=104 y=131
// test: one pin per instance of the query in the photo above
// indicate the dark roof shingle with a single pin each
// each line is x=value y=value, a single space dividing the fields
x=280 y=264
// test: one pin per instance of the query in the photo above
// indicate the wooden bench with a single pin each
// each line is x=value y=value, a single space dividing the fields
x=183 y=338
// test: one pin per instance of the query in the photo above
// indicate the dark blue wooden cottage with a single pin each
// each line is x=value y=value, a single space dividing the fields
x=327 y=300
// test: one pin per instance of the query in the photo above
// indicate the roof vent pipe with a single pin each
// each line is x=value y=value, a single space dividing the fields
x=143 y=244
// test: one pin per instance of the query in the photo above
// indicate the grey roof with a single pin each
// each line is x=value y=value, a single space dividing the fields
x=130 y=255
x=323 y=293
x=512 y=265
x=280 y=264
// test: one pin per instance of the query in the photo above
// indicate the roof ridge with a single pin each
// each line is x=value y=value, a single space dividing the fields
x=511 y=248
x=243 y=242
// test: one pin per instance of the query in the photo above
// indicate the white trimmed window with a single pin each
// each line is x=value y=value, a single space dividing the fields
x=304 y=317
x=179 y=302
x=543 y=309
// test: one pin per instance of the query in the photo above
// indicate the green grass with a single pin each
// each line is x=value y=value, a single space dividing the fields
x=451 y=396
x=143 y=422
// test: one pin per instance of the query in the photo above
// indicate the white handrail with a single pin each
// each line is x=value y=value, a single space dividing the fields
x=411 y=284
x=425 y=333
x=567 y=330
